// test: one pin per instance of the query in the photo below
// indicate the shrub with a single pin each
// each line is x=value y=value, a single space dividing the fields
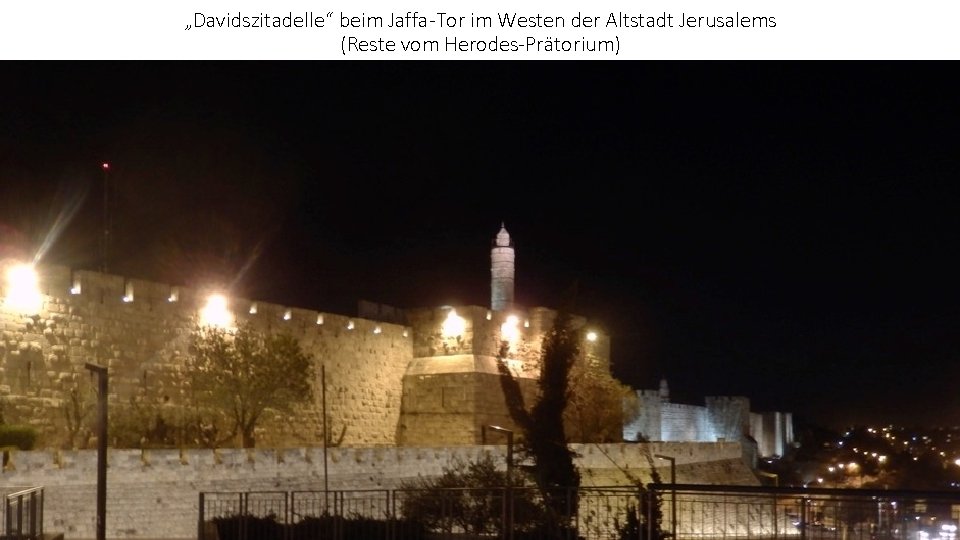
x=22 y=437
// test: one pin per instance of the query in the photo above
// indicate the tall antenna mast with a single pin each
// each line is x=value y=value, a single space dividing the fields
x=105 y=242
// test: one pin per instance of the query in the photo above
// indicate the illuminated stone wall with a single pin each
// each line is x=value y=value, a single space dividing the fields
x=386 y=383
x=773 y=432
x=452 y=387
x=154 y=493
x=144 y=343
x=722 y=418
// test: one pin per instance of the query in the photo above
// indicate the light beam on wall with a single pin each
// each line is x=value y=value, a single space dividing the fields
x=23 y=290
x=216 y=312
x=453 y=325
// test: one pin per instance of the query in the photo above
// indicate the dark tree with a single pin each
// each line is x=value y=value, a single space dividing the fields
x=544 y=439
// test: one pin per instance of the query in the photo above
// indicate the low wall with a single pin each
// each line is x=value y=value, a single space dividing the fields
x=154 y=494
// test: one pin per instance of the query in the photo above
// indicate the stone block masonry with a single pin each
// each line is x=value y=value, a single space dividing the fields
x=141 y=332
x=154 y=493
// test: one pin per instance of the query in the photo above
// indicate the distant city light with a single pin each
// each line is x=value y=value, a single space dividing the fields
x=591 y=336
x=105 y=166
x=23 y=290
x=216 y=313
x=454 y=325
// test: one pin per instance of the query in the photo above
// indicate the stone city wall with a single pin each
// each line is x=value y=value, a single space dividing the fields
x=722 y=418
x=154 y=493
x=141 y=331
x=773 y=432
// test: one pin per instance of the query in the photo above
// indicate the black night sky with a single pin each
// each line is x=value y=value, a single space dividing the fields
x=785 y=231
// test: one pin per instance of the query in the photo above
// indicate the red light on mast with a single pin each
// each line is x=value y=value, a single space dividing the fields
x=105 y=165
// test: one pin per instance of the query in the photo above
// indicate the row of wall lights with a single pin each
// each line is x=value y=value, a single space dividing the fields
x=22 y=288
x=454 y=325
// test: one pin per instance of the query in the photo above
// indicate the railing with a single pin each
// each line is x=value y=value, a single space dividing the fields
x=23 y=514
x=413 y=514
x=747 y=512
x=659 y=512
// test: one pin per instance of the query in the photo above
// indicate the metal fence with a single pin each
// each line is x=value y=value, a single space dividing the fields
x=23 y=514
x=746 y=512
x=659 y=512
x=413 y=514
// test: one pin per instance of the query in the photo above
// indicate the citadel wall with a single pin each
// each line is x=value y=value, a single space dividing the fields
x=452 y=387
x=141 y=331
x=721 y=418
x=385 y=383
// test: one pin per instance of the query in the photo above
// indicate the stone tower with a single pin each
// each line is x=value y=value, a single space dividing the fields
x=664 y=391
x=501 y=271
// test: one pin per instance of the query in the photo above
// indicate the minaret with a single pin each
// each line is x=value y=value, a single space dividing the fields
x=501 y=271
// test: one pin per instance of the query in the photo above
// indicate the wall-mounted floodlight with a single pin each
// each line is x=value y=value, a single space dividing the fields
x=509 y=330
x=23 y=290
x=216 y=312
x=591 y=336
x=454 y=325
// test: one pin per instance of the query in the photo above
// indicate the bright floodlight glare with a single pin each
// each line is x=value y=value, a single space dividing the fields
x=591 y=336
x=453 y=325
x=23 y=292
x=216 y=313
x=508 y=330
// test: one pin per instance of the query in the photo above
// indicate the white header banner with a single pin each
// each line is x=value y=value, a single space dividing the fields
x=545 y=30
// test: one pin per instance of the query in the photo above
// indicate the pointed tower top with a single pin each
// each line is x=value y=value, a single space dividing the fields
x=503 y=237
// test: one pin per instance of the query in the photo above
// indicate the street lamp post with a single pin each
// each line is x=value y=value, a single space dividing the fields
x=509 y=492
x=673 y=493
x=101 y=373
